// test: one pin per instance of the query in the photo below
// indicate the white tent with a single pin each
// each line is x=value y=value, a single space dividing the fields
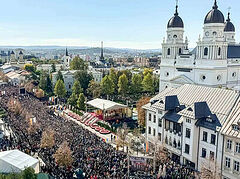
x=105 y=104
x=15 y=161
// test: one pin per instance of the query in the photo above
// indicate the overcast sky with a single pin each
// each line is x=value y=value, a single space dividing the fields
x=139 y=24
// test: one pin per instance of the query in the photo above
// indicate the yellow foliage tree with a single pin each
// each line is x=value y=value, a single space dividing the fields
x=63 y=155
x=141 y=111
x=48 y=140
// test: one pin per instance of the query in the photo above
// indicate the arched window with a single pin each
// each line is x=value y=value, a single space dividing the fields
x=205 y=51
x=219 y=51
x=168 y=51
x=179 y=50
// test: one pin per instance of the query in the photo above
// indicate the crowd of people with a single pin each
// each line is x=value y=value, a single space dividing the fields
x=95 y=158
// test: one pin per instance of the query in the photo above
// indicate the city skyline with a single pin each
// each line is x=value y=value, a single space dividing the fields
x=120 y=24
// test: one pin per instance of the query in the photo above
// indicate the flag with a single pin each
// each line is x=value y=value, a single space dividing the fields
x=146 y=146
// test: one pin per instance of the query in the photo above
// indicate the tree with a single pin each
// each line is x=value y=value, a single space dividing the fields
x=72 y=100
x=123 y=84
x=60 y=89
x=76 y=89
x=29 y=68
x=47 y=140
x=156 y=83
x=141 y=111
x=84 y=79
x=60 y=76
x=122 y=135
x=78 y=64
x=210 y=169
x=148 y=83
x=43 y=81
x=39 y=93
x=94 y=89
x=147 y=70
x=136 y=84
x=29 y=173
x=53 y=66
x=107 y=86
x=49 y=89
x=113 y=76
x=14 y=106
x=81 y=102
x=63 y=155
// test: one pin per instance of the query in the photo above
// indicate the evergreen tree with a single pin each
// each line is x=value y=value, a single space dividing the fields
x=76 y=89
x=60 y=76
x=43 y=81
x=49 y=88
x=123 y=84
x=107 y=86
x=81 y=102
x=136 y=84
x=60 y=89
x=147 y=83
x=72 y=100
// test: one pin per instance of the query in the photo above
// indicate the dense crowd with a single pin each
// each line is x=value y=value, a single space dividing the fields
x=91 y=154
x=95 y=158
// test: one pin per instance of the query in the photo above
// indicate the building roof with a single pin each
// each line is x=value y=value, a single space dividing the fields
x=214 y=16
x=219 y=101
x=175 y=21
x=15 y=161
x=233 y=51
x=105 y=104
x=229 y=27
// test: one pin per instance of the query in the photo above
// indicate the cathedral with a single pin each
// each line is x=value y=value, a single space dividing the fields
x=214 y=62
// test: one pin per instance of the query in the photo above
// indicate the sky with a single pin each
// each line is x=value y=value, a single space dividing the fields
x=138 y=24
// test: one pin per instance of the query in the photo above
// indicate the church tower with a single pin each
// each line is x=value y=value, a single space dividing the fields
x=66 y=60
x=101 y=56
x=213 y=45
x=21 y=60
x=174 y=45
x=229 y=31
x=13 y=58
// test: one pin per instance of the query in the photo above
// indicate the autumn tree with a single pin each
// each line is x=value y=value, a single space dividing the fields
x=210 y=169
x=39 y=93
x=122 y=135
x=123 y=84
x=141 y=111
x=60 y=89
x=63 y=155
x=94 y=89
x=14 y=106
x=3 y=77
x=114 y=78
x=29 y=87
x=48 y=140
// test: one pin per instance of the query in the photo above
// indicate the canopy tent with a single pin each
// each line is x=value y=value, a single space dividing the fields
x=106 y=105
x=15 y=161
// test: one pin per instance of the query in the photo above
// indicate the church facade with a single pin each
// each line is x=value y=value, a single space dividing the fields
x=215 y=62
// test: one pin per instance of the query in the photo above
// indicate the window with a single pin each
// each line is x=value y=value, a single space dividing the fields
x=168 y=51
x=237 y=149
x=159 y=136
x=154 y=132
x=205 y=136
x=69 y=86
x=203 y=77
x=227 y=162
x=211 y=155
x=229 y=144
x=234 y=74
x=204 y=153
x=219 y=77
x=180 y=51
x=214 y=33
x=219 y=51
x=236 y=166
x=188 y=132
x=205 y=51
x=154 y=118
x=159 y=122
x=149 y=116
x=149 y=130
x=235 y=127
x=186 y=148
x=213 y=139
x=188 y=120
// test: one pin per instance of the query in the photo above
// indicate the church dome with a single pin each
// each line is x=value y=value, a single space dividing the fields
x=214 y=16
x=175 y=21
x=229 y=27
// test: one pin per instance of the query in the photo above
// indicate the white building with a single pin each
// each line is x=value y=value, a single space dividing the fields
x=187 y=121
x=48 y=67
x=215 y=60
